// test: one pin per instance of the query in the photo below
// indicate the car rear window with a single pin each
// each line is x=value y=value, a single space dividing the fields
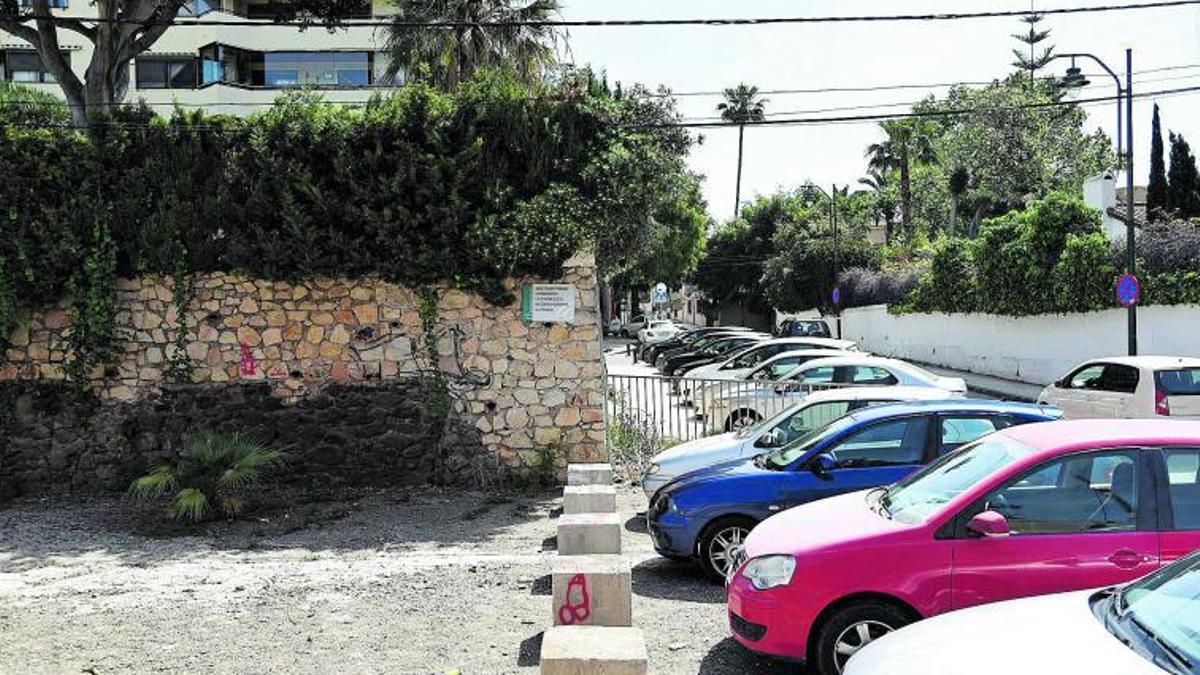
x=1182 y=382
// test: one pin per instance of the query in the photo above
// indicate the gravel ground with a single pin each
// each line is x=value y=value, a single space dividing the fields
x=423 y=581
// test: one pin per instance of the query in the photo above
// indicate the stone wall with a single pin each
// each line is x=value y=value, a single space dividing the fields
x=515 y=389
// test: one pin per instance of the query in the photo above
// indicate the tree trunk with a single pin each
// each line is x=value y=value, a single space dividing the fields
x=953 y=215
x=905 y=195
x=737 y=192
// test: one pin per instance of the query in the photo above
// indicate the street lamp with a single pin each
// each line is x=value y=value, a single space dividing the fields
x=832 y=197
x=1072 y=83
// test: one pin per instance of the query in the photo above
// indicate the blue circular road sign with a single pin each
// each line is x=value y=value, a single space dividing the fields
x=1129 y=290
x=836 y=296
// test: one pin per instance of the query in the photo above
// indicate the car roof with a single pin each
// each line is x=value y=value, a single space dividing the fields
x=858 y=360
x=954 y=405
x=830 y=353
x=1069 y=435
x=860 y=393
x=1149 y=362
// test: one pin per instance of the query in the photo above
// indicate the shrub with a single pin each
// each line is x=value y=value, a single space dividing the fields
x=1084 y=275
x=861 y=286
x=213 y=474
x=950 y=284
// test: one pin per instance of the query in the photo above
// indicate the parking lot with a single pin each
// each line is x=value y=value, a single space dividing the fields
x=424 y=581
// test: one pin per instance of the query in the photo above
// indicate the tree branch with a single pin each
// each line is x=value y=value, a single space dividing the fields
x=16 y=27
x=153 y=20
x=52 y=56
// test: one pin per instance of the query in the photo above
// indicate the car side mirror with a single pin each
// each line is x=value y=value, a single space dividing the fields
x=823 y=463
x=988 y=525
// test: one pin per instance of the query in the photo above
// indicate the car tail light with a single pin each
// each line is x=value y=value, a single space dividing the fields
x=1161 y=407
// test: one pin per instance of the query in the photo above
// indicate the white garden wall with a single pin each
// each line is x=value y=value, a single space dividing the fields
x=1033 y=349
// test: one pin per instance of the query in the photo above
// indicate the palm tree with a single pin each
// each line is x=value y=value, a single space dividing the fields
x=879 y=181
x=742 y=104
x=909 y=142
x=959 y=181
x=487 y=34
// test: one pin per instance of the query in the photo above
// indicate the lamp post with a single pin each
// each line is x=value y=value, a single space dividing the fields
x=832 y=196
x=1072 y=82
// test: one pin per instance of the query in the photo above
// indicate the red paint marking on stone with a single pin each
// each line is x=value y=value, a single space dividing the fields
x=249 y=365
x=575 y=612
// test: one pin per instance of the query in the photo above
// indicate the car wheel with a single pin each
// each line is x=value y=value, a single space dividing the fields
x=740 y=420
x=718 y=542
x=850 y=629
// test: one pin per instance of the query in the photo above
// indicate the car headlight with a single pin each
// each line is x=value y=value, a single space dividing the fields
x=770 y=571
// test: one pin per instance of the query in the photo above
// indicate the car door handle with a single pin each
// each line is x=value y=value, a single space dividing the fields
x=1127 y=559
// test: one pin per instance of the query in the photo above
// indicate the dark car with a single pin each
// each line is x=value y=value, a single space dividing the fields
x=803 y=328
x=714 y=351
x=692 y=345
x=650 y=352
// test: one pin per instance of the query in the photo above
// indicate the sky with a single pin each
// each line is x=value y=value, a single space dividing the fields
x=807 y=56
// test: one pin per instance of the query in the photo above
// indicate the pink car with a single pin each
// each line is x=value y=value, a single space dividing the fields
x=1034 y=509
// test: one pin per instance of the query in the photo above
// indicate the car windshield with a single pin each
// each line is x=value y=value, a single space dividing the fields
x=915 y=498
x=1165 y=608
x=1182 y=382
x=785 y=456
x=766 y=423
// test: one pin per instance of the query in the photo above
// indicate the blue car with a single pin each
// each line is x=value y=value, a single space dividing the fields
x=707 y=513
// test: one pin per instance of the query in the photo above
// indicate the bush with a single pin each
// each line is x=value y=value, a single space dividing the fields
x=1084 y=276
x=861 y=286
x=1166 y=248
x=213 y=474
x=950 y=284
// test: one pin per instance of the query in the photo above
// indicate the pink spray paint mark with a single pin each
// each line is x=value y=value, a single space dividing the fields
x=575 y=612
x=249 y=365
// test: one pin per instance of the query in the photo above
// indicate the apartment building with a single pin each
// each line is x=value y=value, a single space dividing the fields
x=228 y=69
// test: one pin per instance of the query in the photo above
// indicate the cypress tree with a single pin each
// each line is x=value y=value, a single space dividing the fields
x=1156 y=189
x=1034 y=60
x=1183 y=180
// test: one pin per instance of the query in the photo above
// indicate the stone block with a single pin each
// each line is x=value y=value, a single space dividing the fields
x=589 y=533
x=589 y=499
x=593 y=650
x=591 y=590
x=592 y=473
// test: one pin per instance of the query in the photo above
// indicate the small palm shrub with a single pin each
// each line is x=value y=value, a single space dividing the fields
x=212 y=474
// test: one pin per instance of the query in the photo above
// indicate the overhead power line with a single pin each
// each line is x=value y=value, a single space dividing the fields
x=607 y=23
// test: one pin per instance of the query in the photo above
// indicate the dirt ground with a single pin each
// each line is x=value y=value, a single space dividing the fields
x=419 y=581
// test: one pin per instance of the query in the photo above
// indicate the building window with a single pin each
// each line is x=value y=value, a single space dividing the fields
x=198 y=7
x=54 y=4
x=26 y=67
x=281 y=70
x=166 y=73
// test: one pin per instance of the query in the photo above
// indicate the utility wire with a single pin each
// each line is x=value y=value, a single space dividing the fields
x=605 y=23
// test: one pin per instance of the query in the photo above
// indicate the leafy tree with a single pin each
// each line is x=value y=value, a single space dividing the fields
x=958 y=182
x=801 y=275
x=1013 y=153
x=1034 y=60
x=950 y=284
x=1156 y=188
x=488 y=34
x=879 y=181
x=25 y=107
x=1183 y=180
x=742 y=104
x=211 y=475
x=909 y=143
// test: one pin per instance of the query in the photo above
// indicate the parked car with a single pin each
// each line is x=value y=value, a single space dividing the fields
x=1031 y=510
x=1129 y=386
x=803 y=327
x=631 y=327
x=709 y=352
x=712 y=398
x=707 y=513
x=657 y=331
x=649 y=353
x=812 y=412
x=734 y=368
x=1144 y=628
x=740 y=407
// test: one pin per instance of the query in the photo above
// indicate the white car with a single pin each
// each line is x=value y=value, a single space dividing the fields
x=760 y=378
x=745 y=361
x=631 y=327
x=753 y=404
x=803 y=416
x=1148 y=627
x=657 y=331
x=1129 y=386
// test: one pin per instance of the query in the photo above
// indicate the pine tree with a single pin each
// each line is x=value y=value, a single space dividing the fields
x=1156 y=189
x=1034 y=60
x=1183 y=180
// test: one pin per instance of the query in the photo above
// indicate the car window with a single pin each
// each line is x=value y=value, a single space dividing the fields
x=1182 y=382
x=891 y=443
x=1087 y=377
x=957 y=431
x=1106 y=377
x=802 y=422
x=1183 y=486
x=1089 y=493
x=756 y=356
x=868 y=375
x=818 y=375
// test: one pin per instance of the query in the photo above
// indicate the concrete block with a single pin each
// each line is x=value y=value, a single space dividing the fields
x=591 y=590
x=593 y=650
x=597 y=473
x=589 y=533
x=589 y=499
